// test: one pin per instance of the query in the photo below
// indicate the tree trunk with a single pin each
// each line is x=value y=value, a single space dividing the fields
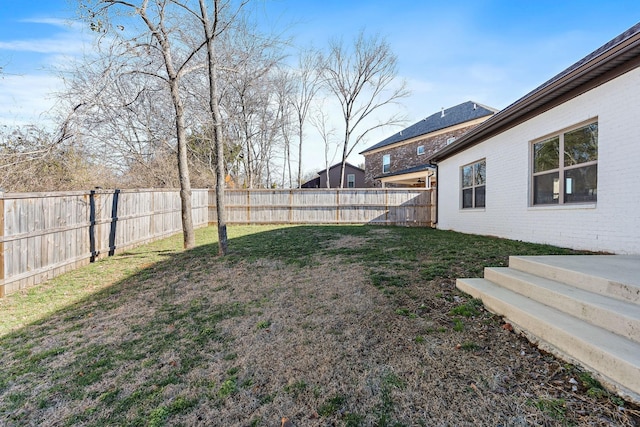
x=344 y=154
x=209 y=32
x=188 y=234
x=300 y=136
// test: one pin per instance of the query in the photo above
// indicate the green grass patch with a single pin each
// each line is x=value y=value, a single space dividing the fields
x=263 y=324
x=382 y=280
x=470 y=346
x=551 y=407
x=332 y=405
x=353 y=420
x=458 y=324
x=470 y=308
x=296 y=389
x=385 y=408
x=228 y=387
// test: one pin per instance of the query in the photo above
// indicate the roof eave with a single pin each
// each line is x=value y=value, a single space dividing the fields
x=573 y=84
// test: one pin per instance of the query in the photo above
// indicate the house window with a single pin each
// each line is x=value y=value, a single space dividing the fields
x=386 y=163
x=351 y=180
x=420 y=150
x=473 y=184
x=565 y=167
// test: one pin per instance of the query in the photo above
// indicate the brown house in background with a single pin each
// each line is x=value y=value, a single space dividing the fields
x=353 y=177
x=400 y=160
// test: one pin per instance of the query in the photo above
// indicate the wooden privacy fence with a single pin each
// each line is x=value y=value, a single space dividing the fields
x=385 y=206
x=46 y=234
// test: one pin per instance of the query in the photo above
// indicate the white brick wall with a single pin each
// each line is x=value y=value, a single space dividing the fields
x=611 y=225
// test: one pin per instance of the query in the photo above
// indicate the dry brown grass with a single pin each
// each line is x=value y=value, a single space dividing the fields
x=195 y=340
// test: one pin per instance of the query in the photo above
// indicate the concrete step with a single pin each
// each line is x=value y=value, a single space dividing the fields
x=613 y=359
x=618 y=316
x=612 y=275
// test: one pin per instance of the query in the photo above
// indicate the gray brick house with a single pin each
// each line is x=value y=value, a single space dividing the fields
x=400 y=160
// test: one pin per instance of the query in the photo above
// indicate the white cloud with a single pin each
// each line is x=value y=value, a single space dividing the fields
x=68 y=43
x=63 y=23
x=28 y=84
x=26 y=99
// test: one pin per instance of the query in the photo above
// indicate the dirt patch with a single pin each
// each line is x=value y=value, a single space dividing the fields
x=351 y=242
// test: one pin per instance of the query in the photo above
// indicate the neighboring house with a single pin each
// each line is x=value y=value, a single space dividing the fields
x=558 y=166
x=353 y=177
x=401 y=159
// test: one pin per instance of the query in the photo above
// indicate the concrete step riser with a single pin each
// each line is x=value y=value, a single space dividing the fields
x=591 y=356
x=580 y=280
x=609 y=319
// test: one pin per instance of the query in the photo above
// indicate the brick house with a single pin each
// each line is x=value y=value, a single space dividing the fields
x=400 y=160
x=353 y=177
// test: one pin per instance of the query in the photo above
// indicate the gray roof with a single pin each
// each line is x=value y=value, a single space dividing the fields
x=452 y=116
x=605 y=63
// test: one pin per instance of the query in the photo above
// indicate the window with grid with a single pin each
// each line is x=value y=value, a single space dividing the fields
x=473 y=184
x=351 y=180
x=565 y=167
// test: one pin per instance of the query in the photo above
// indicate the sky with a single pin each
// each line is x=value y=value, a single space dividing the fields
x=449 y=52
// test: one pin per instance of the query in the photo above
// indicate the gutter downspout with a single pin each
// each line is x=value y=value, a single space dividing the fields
x=435 y=221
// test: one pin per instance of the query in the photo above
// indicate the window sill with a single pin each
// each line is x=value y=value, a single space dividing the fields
x=565 y=207
x=472 y=209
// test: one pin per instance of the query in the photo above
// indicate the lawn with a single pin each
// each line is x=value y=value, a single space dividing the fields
x=323 y=325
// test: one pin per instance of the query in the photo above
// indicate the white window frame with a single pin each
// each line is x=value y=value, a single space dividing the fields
x=561 y=183
x=474 y=186
x=351 y=180
x=420 y=150
x=386 y=163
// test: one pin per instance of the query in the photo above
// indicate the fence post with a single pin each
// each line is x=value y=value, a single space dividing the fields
x=1 y=244
x=92 y=226
x=114 y=222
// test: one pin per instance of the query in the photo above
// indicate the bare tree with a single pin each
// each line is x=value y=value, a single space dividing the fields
x=159 y=39
x=284 y=89
x=320 y=121
x=122 y=116
x=306 y=86
x=363 y=80
x=251 y=101
x=212 y=27
x=34 y=159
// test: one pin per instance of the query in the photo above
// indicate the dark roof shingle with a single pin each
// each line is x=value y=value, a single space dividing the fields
x=452 y=116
